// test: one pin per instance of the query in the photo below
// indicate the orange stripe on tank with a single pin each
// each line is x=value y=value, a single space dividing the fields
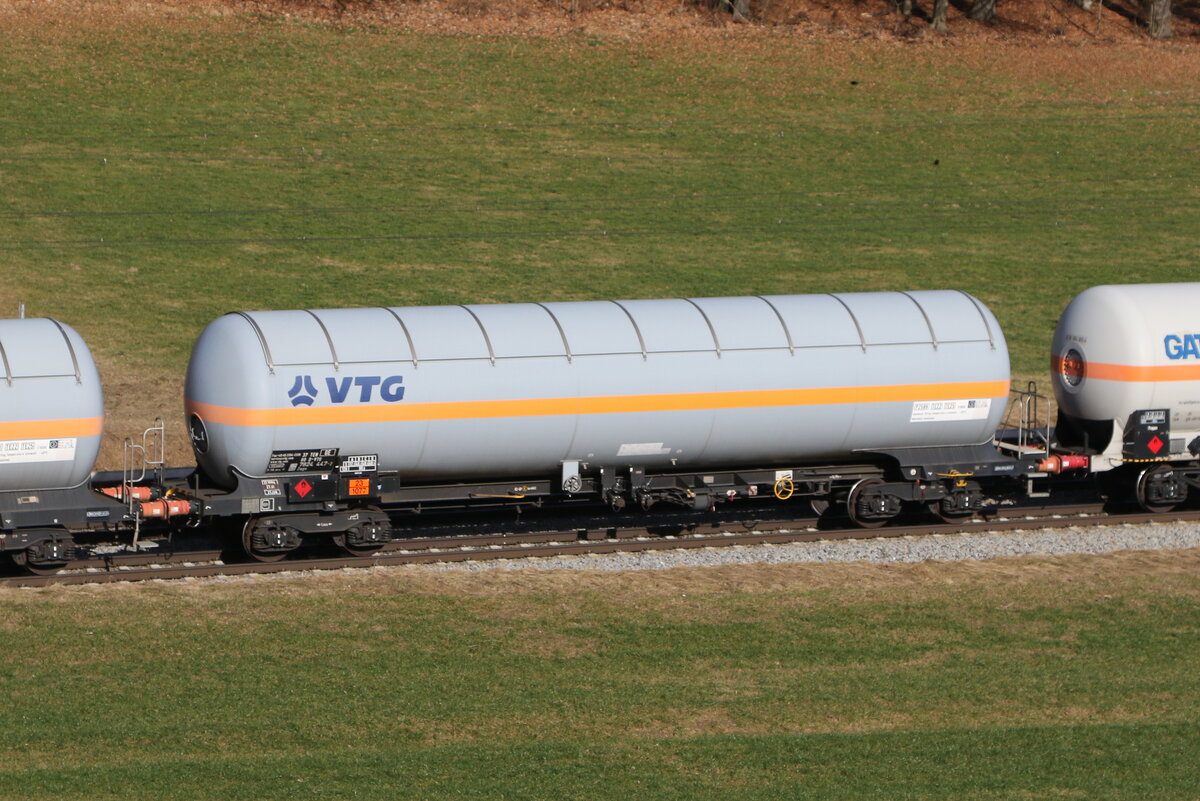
x=1128 y=372
x=404 y=411
x=51 y=429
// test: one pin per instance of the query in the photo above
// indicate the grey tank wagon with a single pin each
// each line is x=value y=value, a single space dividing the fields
x=871 y=398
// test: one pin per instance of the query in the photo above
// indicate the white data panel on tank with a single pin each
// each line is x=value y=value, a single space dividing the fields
x=940 y=411
x=25 y=451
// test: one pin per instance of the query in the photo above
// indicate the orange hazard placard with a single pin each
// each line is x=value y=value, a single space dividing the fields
x=360 y=486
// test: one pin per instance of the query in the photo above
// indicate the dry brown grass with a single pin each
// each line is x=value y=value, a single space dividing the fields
x=685 y=588
x=131 y=404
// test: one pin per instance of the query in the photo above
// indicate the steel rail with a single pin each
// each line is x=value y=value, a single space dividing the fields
x=572 y=542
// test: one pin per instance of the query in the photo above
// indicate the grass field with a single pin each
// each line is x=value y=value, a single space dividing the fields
x=155 y=173
x=1014 y=679
x=158 y=173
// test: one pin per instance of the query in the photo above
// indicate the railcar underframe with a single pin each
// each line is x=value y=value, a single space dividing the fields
x=361 y=509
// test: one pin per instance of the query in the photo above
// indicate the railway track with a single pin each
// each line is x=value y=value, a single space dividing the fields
x=584 y=537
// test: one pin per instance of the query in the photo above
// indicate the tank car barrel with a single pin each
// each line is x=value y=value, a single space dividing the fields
x=457 y=393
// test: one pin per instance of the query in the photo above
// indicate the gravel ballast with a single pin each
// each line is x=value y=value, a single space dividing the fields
x=944 y=547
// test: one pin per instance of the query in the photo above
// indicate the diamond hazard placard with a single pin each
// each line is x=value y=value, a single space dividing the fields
x=1147 y=435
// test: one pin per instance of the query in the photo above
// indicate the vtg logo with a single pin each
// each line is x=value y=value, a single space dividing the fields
x=304 y=391
x=1186 y=346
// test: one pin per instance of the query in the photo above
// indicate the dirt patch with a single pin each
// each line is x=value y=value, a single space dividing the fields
x=1022 y=21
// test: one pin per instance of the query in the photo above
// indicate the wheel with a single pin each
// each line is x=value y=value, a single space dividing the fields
x=260 y=542
x=50 y=553
x=862 y=510
x=938 y=513
x=345 y=541
x=28 y=562
x=1159 y=489
x=371 y=534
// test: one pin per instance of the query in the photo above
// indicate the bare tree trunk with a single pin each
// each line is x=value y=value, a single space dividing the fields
x=982 y=10
x=740 y=9
x=1159 y=14
x=939 y=16
x=906 y=8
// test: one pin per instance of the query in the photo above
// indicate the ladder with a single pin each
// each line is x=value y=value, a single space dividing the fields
x=1025 y=431
x=139 y=460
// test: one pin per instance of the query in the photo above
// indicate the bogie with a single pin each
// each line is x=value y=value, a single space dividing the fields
x=1160 y=489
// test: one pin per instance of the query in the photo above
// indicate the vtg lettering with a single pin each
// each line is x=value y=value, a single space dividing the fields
x=341 y=389
x=391 y=389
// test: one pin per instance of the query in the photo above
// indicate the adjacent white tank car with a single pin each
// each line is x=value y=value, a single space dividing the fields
x=53 y=406
x=1121 y=350
x=460 y=392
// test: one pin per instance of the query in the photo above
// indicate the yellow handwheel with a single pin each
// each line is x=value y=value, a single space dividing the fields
x=784 y=488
